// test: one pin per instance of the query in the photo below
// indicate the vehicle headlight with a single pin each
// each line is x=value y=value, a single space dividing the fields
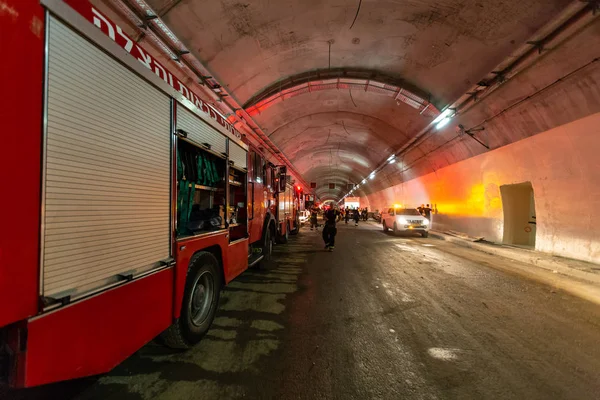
x=425 y=222
x=402 y=220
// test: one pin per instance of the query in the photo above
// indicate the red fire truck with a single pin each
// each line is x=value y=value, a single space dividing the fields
x=290 y=200
x=128 y=202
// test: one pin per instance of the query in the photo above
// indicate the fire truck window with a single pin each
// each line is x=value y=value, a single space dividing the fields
x=200 y=191
x=237 y=215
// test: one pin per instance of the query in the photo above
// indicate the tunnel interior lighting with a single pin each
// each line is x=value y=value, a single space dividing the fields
x=442 y=115
x=364 y=181
x=390 y=158
x=443 y=123
x=372 y=175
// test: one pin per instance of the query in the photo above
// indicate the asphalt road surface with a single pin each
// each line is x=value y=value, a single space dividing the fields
x=381 y=317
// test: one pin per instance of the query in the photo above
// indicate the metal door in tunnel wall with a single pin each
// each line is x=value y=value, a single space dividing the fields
x=518 y=204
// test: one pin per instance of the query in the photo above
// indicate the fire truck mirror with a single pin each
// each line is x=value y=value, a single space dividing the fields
x=282 y=178
x=282 y=182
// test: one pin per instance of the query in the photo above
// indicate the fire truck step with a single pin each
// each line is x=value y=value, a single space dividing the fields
x=252 y=261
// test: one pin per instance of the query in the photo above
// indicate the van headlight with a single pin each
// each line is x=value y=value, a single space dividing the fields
x=402 y=221
x=425 y=222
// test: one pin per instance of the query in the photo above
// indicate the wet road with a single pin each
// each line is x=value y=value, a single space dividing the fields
x=381 y=317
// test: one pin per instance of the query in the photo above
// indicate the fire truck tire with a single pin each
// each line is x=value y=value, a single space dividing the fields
x=200 y=303
x=267 y=262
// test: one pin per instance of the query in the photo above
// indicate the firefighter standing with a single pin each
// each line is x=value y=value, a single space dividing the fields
x=356 y=216
x=329 y=230
x=314 y=213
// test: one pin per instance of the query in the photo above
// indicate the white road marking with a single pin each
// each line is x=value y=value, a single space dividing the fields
x=443 y=353
x=429 y=245
x=392 y=331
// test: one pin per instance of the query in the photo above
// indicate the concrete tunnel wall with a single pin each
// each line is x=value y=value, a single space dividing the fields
x=562 y=164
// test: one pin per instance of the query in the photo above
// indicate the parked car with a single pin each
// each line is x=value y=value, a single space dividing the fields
x=375 y=215
x=304 y=216
x=401 y=219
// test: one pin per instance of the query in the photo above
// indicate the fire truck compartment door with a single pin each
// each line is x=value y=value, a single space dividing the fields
x=238 y=155
x=199 y=131
x=107 y=156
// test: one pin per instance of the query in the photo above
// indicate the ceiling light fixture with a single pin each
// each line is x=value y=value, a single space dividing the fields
x=448 y=113
x=442 y=115
x=443 y=123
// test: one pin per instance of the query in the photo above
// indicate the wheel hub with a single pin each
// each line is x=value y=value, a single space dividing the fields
x=200 y=300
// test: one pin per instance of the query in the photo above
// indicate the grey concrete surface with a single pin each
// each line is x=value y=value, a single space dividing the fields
x=381 y=317
x=576 y=277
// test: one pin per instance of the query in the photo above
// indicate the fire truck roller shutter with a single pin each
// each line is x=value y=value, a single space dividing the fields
x=199 y=131
x=238 y=155
x=106 y=204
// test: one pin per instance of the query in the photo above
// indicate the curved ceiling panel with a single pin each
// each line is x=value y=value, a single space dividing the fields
x=346 y=80
x=438 y=48
x=250 y=45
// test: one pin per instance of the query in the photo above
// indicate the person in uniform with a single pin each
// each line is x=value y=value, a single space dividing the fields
x=314 y=214
x=330 y=230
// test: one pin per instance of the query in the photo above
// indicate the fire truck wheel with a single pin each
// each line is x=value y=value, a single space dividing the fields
x=267 y=261
x=200 y=302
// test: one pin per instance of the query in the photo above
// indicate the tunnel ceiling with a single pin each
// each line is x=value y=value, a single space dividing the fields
x=437 y=49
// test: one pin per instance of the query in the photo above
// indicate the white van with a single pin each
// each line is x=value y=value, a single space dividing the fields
x=404 y=220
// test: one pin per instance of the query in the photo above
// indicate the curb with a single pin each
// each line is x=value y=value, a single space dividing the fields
x=556 y=271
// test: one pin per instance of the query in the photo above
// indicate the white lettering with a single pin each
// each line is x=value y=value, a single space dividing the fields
x=129 y=44
x=158 y=69
x=146 y=58
x=197 y=101
x=98 y=19
x=184 y=91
